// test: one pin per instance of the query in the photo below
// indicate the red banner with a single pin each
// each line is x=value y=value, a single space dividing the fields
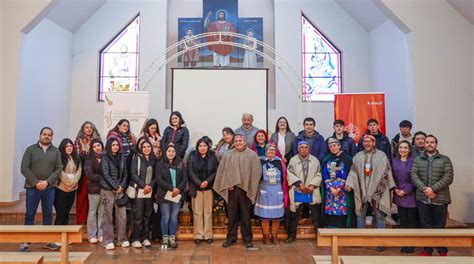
x=357 y=109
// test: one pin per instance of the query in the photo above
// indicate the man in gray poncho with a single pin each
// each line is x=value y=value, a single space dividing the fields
x=371 y=178
x=237 y=180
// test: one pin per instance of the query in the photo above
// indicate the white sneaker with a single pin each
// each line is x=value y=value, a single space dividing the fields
x=93 y=240
x=100 y=238
x=137 y=244
x=125 y=244
x=110 y=246
x=147 y=243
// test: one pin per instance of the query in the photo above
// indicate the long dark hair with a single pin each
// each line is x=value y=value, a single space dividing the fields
x=287 y=124
x=140 y=143
x=108 y=146
x=92 y=154
x=64 y=156
x=148 y=124
x=119 y=123
x=179 y=115
x=176 y=161
x=205 y=140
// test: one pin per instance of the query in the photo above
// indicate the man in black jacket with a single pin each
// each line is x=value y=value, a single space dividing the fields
x=382 y=142
x=348 y=144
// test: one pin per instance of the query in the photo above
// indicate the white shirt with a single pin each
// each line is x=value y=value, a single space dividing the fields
x=281 y=144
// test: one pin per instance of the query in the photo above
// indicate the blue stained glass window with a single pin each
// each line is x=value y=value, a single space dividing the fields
x=322 y=75
x=119 y=61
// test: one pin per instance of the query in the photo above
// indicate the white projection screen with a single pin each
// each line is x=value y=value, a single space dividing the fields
x=211 y=99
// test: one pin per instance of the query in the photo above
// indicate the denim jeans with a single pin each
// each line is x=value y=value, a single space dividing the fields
x=94 y=218
x=33 y=198
x=379 y=217
x=169 y=217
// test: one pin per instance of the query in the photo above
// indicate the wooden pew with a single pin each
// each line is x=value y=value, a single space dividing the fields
x=7 y=258
x=48 y=257
x=43 y=234
x=334 y=237
x=404 y=260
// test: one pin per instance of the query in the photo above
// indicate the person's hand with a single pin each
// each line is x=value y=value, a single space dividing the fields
x=397 y=192
x=209 y=14
x=41 y=185
x=176 y=191
x=402 y=193
x=119 y=190
x=147 y=189
x=73 y=185
x=310 y=189
x=428 y=191
x=204 y=184
x=302 y=188
x=348 y=189
x=231 y=188
x=432 y=196
x=334 y=191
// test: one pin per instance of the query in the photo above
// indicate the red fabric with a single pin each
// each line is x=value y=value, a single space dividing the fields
x=82 y=201
x=286 y=187
x=220 y=49
x=357 y=109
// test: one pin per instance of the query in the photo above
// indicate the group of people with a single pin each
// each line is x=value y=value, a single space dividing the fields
x=272 y=178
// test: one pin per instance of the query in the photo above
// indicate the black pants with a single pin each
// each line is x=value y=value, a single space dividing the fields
x=294 y=217
x=156 y=233
x=239 y=208
x=408 y=219
x=142 y=209
x=336 y=221
x=433 y=216
x=62 y=204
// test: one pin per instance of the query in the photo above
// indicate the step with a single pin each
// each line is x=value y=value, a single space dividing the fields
x=19 y=257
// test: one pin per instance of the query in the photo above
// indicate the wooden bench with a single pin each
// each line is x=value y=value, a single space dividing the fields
x=43 y=234
x=334 y=237
x=48 y=257
x=404 y=260
x=18 y=257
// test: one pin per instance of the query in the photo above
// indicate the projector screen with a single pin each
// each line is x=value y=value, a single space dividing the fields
x=211 y=99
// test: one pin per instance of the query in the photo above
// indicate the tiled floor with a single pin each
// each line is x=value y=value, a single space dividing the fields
x=300 y=252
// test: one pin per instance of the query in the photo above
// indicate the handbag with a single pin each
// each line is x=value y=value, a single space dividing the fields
x=132 y=190
x=122 y=201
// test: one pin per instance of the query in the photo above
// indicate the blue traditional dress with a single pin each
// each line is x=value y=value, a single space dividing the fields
x=270 y=203
x=336 y=207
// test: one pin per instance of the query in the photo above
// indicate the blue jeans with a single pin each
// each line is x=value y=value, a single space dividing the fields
x=169 y=218
x=379 y=217
x=33 y=198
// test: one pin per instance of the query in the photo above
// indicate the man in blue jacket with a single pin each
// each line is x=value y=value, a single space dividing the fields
x=317 y=144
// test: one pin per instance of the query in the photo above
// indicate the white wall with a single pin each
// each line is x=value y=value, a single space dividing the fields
x=98 y=31
x=344 y=31
x=14 y=16
x=390 y=73
x=43 y=96
x=441 y=44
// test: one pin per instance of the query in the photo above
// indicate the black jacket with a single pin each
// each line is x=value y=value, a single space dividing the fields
x=198 y=174
x=139 y=177
x=381 y=143
x=163 y=183
x=115 y=173
x=180 y=139
x=93 y=171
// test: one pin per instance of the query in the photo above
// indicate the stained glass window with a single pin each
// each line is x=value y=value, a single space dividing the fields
x=322 y=76
x=118 y=63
